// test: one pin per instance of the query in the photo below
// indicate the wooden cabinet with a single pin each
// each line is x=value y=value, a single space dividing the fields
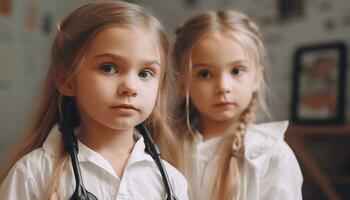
x=324 y=155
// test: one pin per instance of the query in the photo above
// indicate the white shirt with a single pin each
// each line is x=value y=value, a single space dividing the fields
x=29 y=177
x=270 y=169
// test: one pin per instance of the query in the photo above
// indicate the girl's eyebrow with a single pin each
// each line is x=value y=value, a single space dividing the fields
x=200 y=65
x=118 y=57
x=237 y=62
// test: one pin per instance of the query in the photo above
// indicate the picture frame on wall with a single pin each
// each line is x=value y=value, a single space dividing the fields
x=319 y=84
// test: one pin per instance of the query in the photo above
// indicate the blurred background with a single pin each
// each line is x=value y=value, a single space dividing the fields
x=306 y=40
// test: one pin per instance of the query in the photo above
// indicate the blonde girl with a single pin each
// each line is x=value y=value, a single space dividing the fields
x=107 y=75
x=220 y=65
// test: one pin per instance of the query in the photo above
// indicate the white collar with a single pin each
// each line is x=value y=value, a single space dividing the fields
x=261 y=139
x=53 y=141
x=258 y=140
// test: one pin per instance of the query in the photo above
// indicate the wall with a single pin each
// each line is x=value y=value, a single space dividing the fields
x=26 y=31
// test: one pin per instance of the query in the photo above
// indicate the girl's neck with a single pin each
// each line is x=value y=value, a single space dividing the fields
x=105 y=140
x=212 y=128
x=114 y=145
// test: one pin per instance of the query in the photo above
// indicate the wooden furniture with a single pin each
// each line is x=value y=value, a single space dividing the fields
x=297 y=137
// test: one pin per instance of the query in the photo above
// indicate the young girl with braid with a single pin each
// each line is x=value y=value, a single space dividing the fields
x=220 y=64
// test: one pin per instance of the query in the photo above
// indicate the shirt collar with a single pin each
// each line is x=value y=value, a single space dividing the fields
x=86 y=154
x=258 y=140
x=206 y=146
x=262 y=137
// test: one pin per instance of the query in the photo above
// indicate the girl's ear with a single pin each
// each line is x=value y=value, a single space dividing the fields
x=65 y=86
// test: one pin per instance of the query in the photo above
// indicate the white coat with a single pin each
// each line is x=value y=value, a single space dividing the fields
x=270 y=169
x=29 y=177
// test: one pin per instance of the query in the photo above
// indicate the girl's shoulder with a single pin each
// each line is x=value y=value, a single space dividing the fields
x=37 y=163
x=174 y=174
x=43 y=158
x=28 y=176
x=264 y=144
x=178 y=181
x=266 y=150
x=270 y=130
x=265 y=135
x=35 y=167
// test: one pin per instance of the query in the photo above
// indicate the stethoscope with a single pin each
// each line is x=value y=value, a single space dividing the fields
x=80 y=193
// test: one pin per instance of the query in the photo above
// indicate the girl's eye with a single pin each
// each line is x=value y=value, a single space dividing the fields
x=237 y=71
x=146 y=74
x=108 y=69
x=204 y=74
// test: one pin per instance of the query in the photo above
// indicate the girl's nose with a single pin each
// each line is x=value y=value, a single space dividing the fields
x=223 y=86
x=128 y=87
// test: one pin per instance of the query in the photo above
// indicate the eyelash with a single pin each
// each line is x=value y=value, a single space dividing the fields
x=148 y=72
x=104 y=67
x=204 y=74
x=236 y=71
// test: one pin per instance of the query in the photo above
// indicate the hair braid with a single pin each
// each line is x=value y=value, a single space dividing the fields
x=241 y=129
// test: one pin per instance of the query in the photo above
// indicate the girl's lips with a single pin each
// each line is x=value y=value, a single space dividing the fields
x=224 y=104
x=125 y=106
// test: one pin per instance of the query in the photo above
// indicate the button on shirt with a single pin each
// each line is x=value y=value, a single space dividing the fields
x=29 y=177
x=270 y=170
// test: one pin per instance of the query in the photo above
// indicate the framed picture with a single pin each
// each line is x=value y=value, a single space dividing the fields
x=318 y=95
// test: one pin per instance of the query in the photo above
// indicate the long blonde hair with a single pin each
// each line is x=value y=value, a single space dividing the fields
x=225 y=184
x=73 y=37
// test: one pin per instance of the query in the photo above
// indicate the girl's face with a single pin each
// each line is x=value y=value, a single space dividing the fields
x=223 y=81
x=117 y=83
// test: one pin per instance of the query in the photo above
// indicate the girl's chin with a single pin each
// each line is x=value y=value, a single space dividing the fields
x=222 y=119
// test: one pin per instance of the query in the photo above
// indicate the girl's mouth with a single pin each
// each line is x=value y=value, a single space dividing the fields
x=125 y=106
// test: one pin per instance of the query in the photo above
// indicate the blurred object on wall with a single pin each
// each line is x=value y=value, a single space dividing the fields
x=191 y=3
x=289 y=9
x=330 y=24
x=47 y=21
x=5 y=56
x=5 y=7
x=31 y=16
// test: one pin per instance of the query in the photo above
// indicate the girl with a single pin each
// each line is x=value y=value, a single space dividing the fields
x=220 y=65
x=107 y=75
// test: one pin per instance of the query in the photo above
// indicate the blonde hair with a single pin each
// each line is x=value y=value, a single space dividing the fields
x=74 y=35
x=225 y=184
